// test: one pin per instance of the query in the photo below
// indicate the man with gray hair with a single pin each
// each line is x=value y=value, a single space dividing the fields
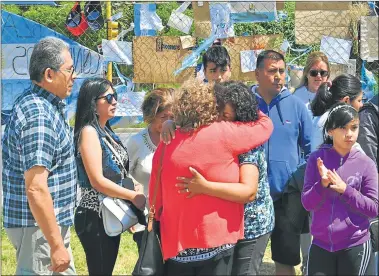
x=39 y=170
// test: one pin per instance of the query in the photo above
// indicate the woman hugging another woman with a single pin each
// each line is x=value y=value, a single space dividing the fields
x=199 y=232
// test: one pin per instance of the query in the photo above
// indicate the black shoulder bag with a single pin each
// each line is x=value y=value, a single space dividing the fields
x=150 y=261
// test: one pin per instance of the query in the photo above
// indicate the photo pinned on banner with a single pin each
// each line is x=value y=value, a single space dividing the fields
x=222 y=25
x=188 y=41
x=249 y=60
x=249 y=12
x=336 y=49
x=178 y=20
x=117 y=51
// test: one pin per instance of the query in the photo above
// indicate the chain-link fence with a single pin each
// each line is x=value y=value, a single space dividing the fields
x=158 y=44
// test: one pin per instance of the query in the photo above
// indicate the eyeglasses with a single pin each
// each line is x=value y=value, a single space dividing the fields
x=71 y=71
x=109 y=97
x=314 y=73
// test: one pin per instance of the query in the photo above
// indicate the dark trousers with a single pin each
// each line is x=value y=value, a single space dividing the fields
x=101 y=250
x=221 y=264
x=248 y=255
x=357 y=260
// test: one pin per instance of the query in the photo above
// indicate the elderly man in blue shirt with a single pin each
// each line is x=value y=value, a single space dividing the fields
x=39 y=170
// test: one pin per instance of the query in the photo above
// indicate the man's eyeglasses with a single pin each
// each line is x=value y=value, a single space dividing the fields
x=71 y=71
x=109 y=97
x=314 y=73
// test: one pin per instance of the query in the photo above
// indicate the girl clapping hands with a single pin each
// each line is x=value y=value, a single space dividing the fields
x=341 y=192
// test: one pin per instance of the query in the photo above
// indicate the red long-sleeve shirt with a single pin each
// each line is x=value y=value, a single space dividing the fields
x=203 y=221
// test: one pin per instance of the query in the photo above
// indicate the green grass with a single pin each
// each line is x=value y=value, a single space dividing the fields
x=127 y=257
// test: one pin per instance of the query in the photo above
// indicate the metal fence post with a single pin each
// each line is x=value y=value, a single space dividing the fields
x=108 y=15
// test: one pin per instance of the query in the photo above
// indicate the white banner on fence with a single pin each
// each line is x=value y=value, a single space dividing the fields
x=336 y=49
x=15 y=61
x=180 y=21
x=117 y=51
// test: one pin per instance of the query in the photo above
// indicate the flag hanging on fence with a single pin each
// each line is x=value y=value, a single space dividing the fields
x=146 y=20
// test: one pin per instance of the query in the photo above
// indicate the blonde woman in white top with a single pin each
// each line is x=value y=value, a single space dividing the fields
x=156 y=109
x=316 y=72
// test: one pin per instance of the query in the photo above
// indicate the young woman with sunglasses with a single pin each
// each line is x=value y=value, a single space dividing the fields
x=344 y=88
x=316 y=72
x=102 y=163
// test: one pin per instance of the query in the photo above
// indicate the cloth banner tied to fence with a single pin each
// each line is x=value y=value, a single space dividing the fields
x=18 y=37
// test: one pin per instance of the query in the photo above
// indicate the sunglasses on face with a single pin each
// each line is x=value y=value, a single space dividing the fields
x=314 y=73
x=109 y=97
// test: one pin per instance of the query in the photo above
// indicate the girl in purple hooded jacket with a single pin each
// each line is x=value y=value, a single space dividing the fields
x=341 y=192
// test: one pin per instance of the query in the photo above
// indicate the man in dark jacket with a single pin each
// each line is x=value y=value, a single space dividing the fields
x=368 y=129
x=368 y=139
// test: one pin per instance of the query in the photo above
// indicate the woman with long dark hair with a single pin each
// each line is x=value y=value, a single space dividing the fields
x=102 y=163
x=344 y=88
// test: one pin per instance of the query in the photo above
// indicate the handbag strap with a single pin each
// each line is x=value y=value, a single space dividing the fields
x=114 y=152
x=156 y=187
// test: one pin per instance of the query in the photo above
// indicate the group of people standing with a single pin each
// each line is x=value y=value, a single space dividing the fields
x=229 y=153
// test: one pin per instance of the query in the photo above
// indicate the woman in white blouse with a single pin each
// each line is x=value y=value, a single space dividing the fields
x=156 y=109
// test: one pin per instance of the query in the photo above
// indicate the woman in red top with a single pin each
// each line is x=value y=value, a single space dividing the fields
x=207 y=224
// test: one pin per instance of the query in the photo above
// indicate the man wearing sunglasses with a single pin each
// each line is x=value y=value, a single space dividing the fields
x=39 y=169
